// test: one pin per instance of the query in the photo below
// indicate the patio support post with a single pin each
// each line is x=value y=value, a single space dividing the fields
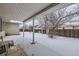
x=23 y=29
x=33 y=41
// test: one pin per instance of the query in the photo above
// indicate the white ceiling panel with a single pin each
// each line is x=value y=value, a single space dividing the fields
x=20 y=11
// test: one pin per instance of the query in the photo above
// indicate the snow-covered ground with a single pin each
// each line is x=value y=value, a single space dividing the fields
x=45 y=46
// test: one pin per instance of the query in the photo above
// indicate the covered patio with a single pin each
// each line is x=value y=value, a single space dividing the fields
x=42 y=29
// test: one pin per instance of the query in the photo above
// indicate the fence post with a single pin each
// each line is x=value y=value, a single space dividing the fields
x=73 y=32
x=63 y=31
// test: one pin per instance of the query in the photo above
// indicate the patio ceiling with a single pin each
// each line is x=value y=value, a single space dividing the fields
x=20 y=11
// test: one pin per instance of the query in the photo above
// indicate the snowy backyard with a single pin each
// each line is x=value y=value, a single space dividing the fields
x=45 y=46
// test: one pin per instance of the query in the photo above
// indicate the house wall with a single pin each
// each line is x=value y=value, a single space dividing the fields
x=0 y=24
x=11 y=28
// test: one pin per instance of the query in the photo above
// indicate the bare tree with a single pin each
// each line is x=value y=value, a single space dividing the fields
x=59 y=17
x=53 y=20
x=41 y=23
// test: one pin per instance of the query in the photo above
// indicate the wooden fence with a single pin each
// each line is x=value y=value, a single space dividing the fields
x=67 y=32
x=61 y=32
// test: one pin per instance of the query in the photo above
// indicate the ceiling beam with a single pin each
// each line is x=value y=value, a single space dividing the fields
x=43 y=10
